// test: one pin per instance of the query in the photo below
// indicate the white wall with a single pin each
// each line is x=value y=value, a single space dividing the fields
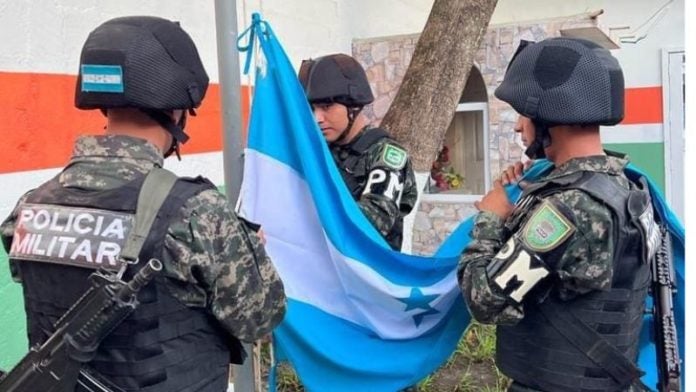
x=641 y=61
x=46 y=35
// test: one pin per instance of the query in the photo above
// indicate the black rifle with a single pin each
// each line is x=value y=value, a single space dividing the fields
x=663 y=289
x=57 y=365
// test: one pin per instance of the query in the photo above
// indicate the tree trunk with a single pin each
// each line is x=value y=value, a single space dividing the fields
x=435 y=79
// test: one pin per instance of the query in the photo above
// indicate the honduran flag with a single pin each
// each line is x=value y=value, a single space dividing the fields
x=361 y=317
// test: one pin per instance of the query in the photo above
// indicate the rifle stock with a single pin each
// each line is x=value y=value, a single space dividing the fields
x=56 y=365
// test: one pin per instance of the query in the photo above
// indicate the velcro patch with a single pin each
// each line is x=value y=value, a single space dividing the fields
x=547 y=228
x=394 y=157
x=102 y=78
x=75 y=236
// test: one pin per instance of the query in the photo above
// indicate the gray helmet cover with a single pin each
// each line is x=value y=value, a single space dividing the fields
x=335 y=78
x=140 y=62
x=564 y=81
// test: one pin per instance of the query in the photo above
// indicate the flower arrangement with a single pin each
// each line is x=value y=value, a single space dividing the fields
x=443 y=174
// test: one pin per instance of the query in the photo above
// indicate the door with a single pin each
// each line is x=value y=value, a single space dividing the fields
x=673 y=86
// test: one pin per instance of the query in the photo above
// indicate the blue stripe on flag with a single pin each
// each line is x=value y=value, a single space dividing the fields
x=360 y=316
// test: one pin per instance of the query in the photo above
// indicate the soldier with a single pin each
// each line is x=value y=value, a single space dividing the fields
x=375 y=168
x=217 y=285
x=564 y=273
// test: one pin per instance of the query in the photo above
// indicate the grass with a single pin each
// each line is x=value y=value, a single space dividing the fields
x=471 y=368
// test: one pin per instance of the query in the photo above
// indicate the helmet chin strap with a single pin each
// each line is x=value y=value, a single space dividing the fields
x=542 y=139
x=175 y=129
x=352 y=115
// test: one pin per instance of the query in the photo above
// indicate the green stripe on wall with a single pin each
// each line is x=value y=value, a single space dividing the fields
x=648 y=157
x=13 y=338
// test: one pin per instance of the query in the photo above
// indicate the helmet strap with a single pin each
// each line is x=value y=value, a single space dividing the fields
x=175 y=129
x=542 y=139
x=353 y=112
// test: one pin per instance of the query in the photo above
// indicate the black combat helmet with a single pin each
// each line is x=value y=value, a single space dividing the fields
x=335 y=78
x=141 y=62
x=563 y=81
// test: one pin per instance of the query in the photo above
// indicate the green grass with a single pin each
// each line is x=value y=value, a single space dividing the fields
x=471 y=368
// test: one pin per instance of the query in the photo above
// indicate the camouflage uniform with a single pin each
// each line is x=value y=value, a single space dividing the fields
x=207 y=258
x=392 y=192
x=584 y=266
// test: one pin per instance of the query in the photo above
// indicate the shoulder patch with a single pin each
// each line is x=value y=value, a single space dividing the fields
x=547 y=228
x=394 y=157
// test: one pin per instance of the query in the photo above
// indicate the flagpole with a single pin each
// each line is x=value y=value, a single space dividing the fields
x=230 y=85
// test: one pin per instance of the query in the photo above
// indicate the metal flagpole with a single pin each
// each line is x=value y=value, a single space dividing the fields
x=230 y=85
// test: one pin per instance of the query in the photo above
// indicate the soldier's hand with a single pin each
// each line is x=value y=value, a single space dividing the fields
x=262 y=237
x=514 y=172
x=496 y=201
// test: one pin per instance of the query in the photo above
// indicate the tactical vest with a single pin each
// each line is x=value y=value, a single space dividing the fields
x=534 y=352
x=163 y=345
x=353 y=167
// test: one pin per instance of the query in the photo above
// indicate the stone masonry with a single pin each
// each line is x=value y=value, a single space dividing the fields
x=386 y=59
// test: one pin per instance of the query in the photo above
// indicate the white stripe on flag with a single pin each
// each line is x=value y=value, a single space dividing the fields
x=315 y=272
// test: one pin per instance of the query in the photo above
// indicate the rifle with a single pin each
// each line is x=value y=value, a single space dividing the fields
x=57 y=365
x=663 y=289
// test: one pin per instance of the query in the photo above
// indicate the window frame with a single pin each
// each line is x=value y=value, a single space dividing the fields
x=454 y=198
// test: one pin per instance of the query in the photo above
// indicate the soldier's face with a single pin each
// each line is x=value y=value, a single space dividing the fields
x=332 y=119
x=525 y=127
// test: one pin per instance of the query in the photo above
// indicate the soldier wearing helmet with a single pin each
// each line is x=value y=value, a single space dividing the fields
x=564 y=273
x=217 y=285
x=376 y=169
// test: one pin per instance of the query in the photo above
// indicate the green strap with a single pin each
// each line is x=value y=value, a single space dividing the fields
x=158 y=183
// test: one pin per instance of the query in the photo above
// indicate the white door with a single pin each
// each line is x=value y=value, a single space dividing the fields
x=673 y=89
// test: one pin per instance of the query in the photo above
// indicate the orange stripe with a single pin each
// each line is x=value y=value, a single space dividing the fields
x=40 y=122
x=643 y=105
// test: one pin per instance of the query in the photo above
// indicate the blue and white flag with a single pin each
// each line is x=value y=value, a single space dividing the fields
x=361 y=317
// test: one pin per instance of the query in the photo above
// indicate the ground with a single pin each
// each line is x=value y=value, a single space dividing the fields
x=470 y=368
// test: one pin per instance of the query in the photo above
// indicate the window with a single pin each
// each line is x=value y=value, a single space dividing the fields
x=461 y=168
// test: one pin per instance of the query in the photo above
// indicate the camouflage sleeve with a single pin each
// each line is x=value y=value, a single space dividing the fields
x=584 y=265
x=486 y=304
x=587 y=263
x=389 y=179
x=224 y=267
x=7 y=231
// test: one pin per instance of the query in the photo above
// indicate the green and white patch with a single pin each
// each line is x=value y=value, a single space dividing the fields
x=394 y=156
x=547 y=228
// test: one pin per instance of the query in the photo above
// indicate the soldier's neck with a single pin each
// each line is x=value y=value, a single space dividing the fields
x=355 y=130
x=134 y=123
x=568 y=142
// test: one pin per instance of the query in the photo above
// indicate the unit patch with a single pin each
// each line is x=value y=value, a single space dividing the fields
x=70 y=235
x=394 y=156
x=102 y=78
x=547 y=228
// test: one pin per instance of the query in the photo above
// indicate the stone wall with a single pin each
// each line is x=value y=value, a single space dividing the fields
x=386 y=59
x=434 y=222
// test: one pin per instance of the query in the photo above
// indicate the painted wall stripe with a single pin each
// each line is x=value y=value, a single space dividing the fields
x=643 y=105
x=41 y=124
x=633 y=133
x=15 y=184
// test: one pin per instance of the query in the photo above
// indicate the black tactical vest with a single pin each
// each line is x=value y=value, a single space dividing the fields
x=534 y=352
x=163 y=345
x=353 y=167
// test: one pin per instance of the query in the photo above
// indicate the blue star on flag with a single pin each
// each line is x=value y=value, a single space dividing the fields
x=419 y=301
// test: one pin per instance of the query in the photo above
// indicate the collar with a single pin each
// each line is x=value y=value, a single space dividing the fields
x=117 y=146
x=613 y=164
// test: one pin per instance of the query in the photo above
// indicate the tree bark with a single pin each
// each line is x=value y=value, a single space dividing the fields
x=435 y=79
